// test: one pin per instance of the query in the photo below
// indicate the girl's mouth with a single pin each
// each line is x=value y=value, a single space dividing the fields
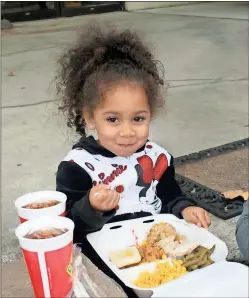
x=125 y=145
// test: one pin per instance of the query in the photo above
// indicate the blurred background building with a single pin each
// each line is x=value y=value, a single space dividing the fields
x=18 y=11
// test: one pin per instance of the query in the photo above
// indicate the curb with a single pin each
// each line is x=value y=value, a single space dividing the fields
x=204 y=154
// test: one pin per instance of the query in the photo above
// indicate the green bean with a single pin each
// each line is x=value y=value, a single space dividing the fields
x=189 y=256
x=202 y=261
x=211 y=250
x=202 y=253
x=192 y=268
x=199 y=256
x=210 y=260
x=198 y=249
x=207 y=263
x=202 y=249
x=191 y=262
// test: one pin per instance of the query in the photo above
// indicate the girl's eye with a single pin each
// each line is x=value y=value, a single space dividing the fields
x=112 y=119
x=139 y=119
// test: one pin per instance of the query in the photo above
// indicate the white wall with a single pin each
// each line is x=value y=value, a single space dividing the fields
x=153 y=4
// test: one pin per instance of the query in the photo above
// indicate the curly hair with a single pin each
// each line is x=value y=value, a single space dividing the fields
x=101 y=58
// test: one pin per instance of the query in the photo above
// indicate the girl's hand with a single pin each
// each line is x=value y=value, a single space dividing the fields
x=102 y=198
x=197 y=216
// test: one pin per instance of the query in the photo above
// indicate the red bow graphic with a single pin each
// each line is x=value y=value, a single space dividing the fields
x=150 y=173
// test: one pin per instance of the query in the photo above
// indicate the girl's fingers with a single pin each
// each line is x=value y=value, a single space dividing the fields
x=192 y=218
x=100 y=190
x=198 y=217
x=207 y=218
x=108 y=197
x=202 y=219
x=115 y=200
x=101 y=186
x=112 y=199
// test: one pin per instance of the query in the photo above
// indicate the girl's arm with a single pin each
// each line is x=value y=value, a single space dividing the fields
x=169 y=191
x=242 y=229
x=75 y=183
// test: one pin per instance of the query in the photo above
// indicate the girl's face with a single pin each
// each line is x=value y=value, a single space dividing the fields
x=122 y=119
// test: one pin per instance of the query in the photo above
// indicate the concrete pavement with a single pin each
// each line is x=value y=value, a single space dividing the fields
x=234 y=10
x=206 y=63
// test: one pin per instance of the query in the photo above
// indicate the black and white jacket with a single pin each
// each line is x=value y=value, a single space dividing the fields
x=145 y=180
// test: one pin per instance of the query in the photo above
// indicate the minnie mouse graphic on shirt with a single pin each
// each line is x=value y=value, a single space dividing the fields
x=135 y=177
x=149 y=176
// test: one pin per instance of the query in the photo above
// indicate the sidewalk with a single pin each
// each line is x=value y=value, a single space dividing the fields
x=206 y=63
x=15 y=280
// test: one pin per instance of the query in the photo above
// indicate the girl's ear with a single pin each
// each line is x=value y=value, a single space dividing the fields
x=88 y=119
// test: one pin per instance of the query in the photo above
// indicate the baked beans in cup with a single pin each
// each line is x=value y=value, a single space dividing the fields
x=40 y=203
x=47 y=247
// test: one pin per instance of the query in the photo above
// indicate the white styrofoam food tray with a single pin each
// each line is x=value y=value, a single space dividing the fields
x=222 y=279
x=121 y=235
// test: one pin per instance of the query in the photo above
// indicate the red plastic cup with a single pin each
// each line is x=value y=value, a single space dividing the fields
x=49 y=261
x=40 y=196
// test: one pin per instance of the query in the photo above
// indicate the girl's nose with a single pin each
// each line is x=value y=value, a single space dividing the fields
x=127 y=131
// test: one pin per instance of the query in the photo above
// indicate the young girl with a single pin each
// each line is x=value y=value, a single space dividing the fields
x=110 y=82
